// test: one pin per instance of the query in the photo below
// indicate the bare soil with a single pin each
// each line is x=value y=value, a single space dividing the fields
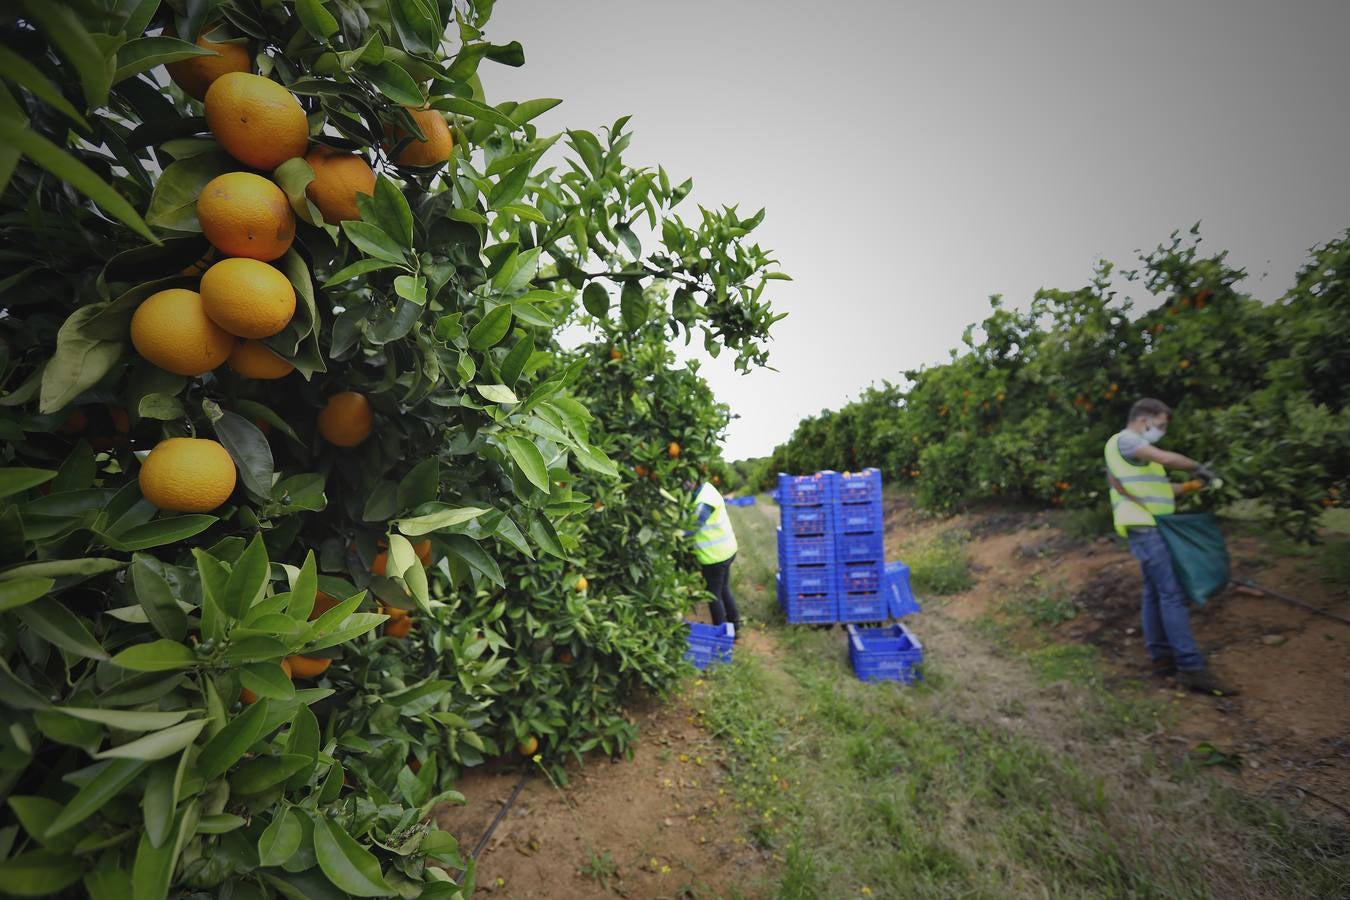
x=665 y=818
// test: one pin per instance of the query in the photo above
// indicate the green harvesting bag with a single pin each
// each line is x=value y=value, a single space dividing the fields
x=1199 y=553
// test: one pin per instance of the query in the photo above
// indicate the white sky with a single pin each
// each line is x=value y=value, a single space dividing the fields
x=917 y=157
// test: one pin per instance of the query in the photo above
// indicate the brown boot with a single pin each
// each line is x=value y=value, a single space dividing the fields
x=1203 y=681
x=1164 y=667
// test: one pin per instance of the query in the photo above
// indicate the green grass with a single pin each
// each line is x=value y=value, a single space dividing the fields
x=941 y=565
x=888 y=791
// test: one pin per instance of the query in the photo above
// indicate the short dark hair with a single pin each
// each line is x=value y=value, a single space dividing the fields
x=1149 y=407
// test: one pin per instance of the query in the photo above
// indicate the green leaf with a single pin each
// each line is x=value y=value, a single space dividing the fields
x=248 y=580
x=315 y=19
x=80 y=360
x=257 y=775
x=61 y=568
x=421 y=485
x=294 y=177
x=517 y=359
x=304 y=589
x=18 y=591
x=157 y=745
x=394 y=82
x=162 y=531
x=234 y=740
x=124 y=719
x=108 y=884
x=14 y=479
x=152 y=872
x=491 y=328
x=156 y=597
x=349 y=866
x=106 y=784
x=60 y=24
x=38 y=873
x=530 y=109
x=304 y=738
x=155 y=656
x=411 y=287
x=173 y=203
x=541 y=529
x=144 y=53
x=434 y=521
x=160 y=800
x=596 y=300
x=372 y=241
x=390 y=212
x=220 y=823
x=353 y=627
x=267 y=679
x=530 y=460
x=361 y=267
x=20 y=71
x=58 y=162
x=62 y=628
x=280 y=839
x=497 y=393
x=249 y=448
x=518 y=271
x=633 y=306
x=163 y=407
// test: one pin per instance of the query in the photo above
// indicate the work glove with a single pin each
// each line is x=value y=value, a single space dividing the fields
x=1206 y=474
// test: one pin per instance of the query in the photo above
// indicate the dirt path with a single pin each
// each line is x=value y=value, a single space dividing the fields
x=663 y=824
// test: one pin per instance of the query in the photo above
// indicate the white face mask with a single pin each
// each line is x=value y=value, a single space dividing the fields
x=1153 y=434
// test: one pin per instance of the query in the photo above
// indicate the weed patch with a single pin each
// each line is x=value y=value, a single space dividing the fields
x=940 y=566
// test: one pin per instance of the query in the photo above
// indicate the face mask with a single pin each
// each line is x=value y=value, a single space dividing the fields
x=1153 y=434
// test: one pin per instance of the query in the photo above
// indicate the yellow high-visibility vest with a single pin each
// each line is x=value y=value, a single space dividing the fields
x=1147 y=484
x=715 y=542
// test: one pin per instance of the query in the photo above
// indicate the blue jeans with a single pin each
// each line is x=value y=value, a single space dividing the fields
x=1166 y=620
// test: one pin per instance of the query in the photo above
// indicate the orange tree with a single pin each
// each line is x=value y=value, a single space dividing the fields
x=1025 y=409
x=276 y=338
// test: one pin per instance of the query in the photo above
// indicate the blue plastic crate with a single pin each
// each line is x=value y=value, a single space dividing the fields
x=871 y=606
x=852 y=518
x=890 y=653
x=798 y=520
x=860 y=578
x=859 y=487
x=807 y=608
x=809 y=579
x=807 y=490
x=869 y=546
x=708 y=644
x=817 y=549
x=898 y=591
x=740 y=501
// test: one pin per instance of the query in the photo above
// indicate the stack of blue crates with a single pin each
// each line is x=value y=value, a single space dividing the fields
x=806 y=572
x=860 y=552
x=831 y=554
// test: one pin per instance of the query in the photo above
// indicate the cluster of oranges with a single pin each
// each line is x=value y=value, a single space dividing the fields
x=242 y=298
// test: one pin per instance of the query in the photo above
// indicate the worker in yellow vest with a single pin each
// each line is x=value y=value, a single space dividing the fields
x=1136 y=470
x=715 y=549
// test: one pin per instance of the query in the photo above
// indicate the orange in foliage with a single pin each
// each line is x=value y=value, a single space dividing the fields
x=308 y=666
x=398 y=628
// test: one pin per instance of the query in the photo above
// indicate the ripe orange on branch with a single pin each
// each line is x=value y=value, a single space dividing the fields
x=528 y=747
x=196 y=74
x=398 y=628
x=191 y=475
x=256 y=120
x=673 y=450
x=243 y=214
x=247 y=297
x=433 y=151
x=347 y=419
x=172 y=330
x=252 y=359
x=309 y=666
x=338 y=178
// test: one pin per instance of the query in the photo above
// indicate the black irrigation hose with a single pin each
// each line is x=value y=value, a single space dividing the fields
x=501 y=814
x=1287 y=599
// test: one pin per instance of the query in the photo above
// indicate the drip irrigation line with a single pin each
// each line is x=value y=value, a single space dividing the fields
x=501 y=814
x=1287 y=599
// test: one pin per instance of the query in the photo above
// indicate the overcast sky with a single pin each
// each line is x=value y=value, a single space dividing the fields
x=917 y=157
